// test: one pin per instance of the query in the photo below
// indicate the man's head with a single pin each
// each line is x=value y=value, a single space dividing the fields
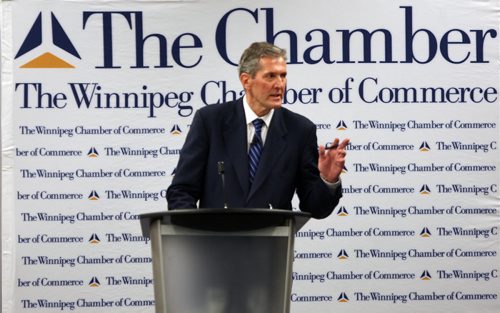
x=262 y=72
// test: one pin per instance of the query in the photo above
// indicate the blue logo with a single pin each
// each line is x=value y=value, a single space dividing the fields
x=59 y=38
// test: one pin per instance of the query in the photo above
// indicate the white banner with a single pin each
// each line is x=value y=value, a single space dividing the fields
x=98 y=96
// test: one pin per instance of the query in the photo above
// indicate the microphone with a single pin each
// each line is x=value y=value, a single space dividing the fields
x=220 y=170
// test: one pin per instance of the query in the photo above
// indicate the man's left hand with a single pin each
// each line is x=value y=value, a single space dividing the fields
x=331 y=160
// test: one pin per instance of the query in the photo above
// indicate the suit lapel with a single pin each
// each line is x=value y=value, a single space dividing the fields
x=235 y=137
x=273 y=149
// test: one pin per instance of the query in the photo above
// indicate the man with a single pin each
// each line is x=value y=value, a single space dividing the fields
x=265 y=163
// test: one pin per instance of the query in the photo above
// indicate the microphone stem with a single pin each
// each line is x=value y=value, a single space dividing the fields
x=220 y=169
x=224 y=191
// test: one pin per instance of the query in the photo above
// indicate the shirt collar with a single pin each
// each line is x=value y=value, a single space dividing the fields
x=250 y=114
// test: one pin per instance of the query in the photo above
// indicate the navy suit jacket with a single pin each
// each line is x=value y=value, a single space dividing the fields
x=288 y=164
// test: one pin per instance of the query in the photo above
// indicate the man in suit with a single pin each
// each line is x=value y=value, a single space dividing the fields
x=265 y=162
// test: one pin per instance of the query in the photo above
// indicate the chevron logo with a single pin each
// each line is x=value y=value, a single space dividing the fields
x=94 y=239
x=342 y=211
x=93 y=153
x=341 y=125
x=176 y=130
x=425 y=233
x=342 y=255
x=93 y=195
x=426 y=275
x=34 y=39
x=425 y=190
x=343 y=298
x=424 y=147
x=94 y=282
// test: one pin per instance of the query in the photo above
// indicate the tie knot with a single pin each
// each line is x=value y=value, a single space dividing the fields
x=257 y=123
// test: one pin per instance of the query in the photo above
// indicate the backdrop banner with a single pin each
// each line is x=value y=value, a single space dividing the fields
x=98 y=96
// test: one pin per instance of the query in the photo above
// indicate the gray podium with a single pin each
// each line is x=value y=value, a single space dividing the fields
x=222 y=260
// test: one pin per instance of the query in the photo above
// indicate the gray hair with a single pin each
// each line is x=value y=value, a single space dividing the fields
x=249 y=61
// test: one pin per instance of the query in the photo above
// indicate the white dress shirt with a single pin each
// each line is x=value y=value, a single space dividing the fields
x=250 y=116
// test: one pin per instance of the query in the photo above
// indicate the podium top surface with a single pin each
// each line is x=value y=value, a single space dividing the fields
x=224 y=219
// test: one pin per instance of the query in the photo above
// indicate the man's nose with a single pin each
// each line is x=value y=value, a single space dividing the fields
x=280 y=81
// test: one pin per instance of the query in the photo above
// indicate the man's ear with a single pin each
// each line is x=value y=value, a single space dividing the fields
x=244 y=79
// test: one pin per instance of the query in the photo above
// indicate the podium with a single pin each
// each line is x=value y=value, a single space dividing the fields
x=222 y=260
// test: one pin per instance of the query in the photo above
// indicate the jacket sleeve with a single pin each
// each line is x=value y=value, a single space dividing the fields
x=187 y=184
x=314 y=195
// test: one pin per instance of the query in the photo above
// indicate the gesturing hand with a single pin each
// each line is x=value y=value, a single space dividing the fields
x=331 y=160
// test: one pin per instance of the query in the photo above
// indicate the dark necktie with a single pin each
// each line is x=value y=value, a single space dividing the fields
x=256 y=147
